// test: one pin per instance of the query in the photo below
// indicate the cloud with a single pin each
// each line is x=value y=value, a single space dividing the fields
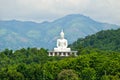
x=104 y=10
x=40 y=10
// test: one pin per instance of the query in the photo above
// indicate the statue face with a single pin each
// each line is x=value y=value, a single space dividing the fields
x=62 y=36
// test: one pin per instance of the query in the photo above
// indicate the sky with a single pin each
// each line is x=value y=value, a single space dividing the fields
x=49 y=10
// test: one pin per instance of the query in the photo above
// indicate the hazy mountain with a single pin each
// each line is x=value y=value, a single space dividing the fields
x=17 y=34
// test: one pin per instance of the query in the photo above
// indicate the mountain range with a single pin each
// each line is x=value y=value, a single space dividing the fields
x=16 y=34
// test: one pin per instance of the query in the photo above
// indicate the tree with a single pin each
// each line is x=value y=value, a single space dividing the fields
x=88 y=74
x=67 y=75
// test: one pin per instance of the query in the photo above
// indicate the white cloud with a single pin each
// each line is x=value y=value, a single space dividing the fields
x=104 y=10
x=37 y=10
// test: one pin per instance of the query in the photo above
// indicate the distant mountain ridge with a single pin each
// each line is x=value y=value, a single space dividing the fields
x=17 y=34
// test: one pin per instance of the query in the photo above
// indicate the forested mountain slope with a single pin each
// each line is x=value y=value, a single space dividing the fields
x=104 y=40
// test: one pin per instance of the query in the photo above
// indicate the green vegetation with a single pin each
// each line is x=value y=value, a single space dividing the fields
x=23 y=64
x=67 y=75
x=34 y=64
x=105 y=40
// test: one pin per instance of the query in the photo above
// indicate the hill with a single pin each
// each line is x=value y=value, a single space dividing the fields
x=18 y=34
x=105 y=40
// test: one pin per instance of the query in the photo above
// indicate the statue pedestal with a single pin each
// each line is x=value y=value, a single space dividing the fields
x=62 y=49
x=62 y=53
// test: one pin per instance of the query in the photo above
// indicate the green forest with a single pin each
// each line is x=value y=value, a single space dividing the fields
x=98 y=59
x=108 y=40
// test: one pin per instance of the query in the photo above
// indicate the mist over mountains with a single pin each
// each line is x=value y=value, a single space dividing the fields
x=18 y=34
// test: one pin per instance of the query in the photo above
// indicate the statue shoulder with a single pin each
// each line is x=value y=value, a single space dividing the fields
x=58 y=39
x=65 y=39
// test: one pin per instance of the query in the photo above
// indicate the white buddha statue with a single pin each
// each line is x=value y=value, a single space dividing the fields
x=62 y=43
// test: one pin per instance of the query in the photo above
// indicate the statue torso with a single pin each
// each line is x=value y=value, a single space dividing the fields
x=62 y=43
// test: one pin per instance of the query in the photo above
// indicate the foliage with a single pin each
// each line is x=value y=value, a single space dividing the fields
x=34 y=64
x=105 y=40
x=67 y=75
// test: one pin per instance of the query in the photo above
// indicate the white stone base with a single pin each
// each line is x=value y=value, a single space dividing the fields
x=62 y=49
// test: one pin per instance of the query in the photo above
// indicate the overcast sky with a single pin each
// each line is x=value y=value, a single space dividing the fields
x=41 y=10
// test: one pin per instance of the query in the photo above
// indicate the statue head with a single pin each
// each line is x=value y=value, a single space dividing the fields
x=62 y=34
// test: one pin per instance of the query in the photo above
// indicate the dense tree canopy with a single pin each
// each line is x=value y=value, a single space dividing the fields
x=67 y=75
x=105 y=40
x=34 y=64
